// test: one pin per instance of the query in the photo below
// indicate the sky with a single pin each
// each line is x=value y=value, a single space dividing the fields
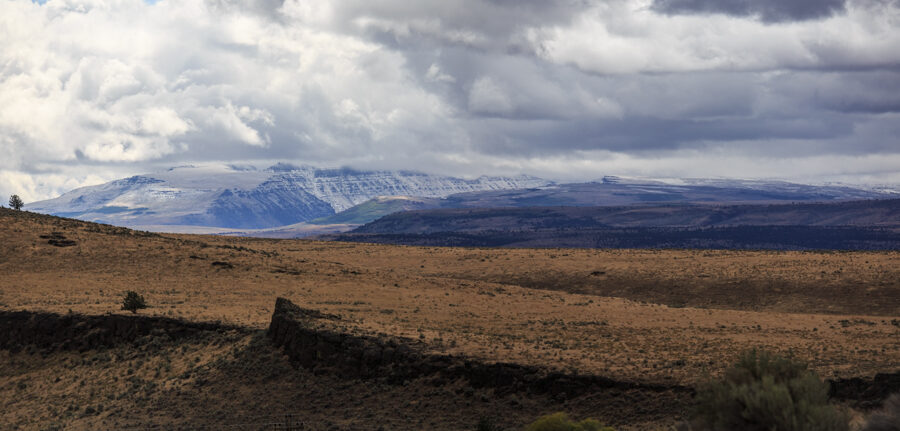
x=572 y=90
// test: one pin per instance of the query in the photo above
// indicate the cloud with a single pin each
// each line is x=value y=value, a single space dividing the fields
x=96 y=89
x=434 y=74
x=486 y=97
x=32 y=186
x=479 y=24
x=628 y=37
x=766 y=10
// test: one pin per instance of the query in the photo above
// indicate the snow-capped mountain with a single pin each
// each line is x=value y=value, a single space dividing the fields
x=241 y=197
x=237 y=197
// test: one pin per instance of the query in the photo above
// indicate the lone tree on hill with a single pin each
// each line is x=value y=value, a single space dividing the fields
x=15 y=202
x=133 y=302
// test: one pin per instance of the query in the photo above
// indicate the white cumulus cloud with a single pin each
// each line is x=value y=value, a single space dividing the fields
x=95 y=89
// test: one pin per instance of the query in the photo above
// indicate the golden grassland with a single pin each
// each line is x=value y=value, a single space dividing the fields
x=667 y=316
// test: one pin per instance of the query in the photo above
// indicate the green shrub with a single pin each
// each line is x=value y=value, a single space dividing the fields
x=888 y=419
x=133 y=302
x=561 y=422
x=766 y=392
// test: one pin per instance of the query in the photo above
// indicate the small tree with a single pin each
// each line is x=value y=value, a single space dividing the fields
x=133 y=302
x=15 y=202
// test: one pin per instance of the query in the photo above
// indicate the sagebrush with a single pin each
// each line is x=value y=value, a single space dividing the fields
x=767 y=392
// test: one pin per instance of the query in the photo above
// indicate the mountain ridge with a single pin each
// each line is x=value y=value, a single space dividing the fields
x=851 y=225
x=237 y=197
x=244 y=200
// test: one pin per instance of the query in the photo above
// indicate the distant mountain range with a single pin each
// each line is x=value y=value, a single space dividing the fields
x=870 y=224
x=612 y=191
x=874 y=213
x=245 y=198
x=294 y=201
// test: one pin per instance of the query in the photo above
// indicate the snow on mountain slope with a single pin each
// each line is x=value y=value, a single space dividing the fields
x=237 y=197
x=777 y=190
x=809 y=191
x=242 y=197
x=344 y=188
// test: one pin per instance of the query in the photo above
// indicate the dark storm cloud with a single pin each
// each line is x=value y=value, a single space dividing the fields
x=847 y=92
x=771 y=11
x=649 y=135
x=863 y=93
x=487 y=25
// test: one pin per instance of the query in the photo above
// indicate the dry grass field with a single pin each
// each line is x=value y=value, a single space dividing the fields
x=653 y=316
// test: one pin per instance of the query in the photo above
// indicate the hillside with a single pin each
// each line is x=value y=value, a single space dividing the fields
x=646 y=201
x=614 y=192
x=649 y=323
x=376 y=208
x=870 y=224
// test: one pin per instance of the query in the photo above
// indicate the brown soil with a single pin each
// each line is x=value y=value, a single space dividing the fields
x=653 y=316
x=238 y=380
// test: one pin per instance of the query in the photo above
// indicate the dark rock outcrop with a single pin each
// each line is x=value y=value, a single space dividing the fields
x=51 y=331
x=58 y=239
x=313 y=340
x=312 y=345
x=865 y=392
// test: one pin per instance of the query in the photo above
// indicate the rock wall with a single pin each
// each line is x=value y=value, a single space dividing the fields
x=865 y=392
x=305 y=337
x=51 y=331
x=311 y=345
